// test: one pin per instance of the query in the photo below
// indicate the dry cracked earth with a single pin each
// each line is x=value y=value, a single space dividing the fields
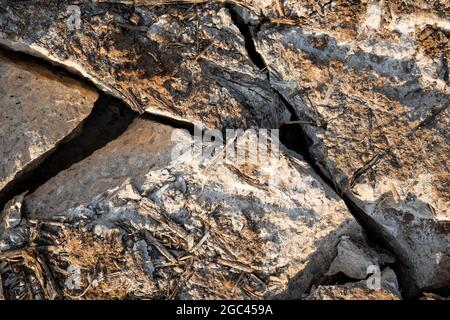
x=96 y=206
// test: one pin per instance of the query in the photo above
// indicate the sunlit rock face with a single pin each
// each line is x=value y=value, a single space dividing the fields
x=375 y=92
x=277 y=221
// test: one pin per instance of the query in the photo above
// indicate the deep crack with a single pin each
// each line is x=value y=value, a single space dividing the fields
x=108 y=120
x=111 y=117
x=246 y=33
x=294 y=137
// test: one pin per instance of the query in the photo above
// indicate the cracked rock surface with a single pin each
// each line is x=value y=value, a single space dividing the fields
x=38 y=109
x=360 y=88
x=185 y=64
x=376 y=96
x=351 y=291
x=281 y=229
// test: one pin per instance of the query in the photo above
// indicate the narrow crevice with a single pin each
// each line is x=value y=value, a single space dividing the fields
x=171 y=122
x=255 y=56
x=108 y=120
x=244 y=28
x=378 y=236
x=294 y=137
x=336 y=280
x=291 y=135
x=111 y=117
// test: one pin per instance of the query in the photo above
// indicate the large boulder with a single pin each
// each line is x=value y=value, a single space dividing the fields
x=365 y=84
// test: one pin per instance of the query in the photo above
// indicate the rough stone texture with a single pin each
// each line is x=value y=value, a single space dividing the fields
x=351 y=291
x=375 y=89
x=13 y=232
x=184 y=62
x=381 y=285
x=279 y=223
x=137 y=150
x=368 y=82
x=38 y=109
x=354 y=260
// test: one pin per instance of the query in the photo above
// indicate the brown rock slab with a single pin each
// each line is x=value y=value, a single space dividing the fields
x=38 y=109
x=186 y=62
x=377 y=103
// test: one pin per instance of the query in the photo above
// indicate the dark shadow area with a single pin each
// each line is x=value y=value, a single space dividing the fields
x=294 y=137
x=254 y=55
x=378 y=236
x=337 y=279
x=317 y=265
x=109 y=118
x=404 y=264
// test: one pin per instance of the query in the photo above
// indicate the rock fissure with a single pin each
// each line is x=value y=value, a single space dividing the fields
x=293 y=136
x=357 y=142
x=109 y=118
x=82 y=145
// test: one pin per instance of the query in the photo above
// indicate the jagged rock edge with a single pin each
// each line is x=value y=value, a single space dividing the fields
x=367 y=223
x=76 y=70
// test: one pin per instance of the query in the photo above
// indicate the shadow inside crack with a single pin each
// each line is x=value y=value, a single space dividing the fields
x=108 y=120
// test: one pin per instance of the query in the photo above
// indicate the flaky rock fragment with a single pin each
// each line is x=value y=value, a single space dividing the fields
x=13 y=230
x=372 y=96
x=256 y=229
x=38 y=109
x=356 y=259
x=432 y=296
x=186 y=62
